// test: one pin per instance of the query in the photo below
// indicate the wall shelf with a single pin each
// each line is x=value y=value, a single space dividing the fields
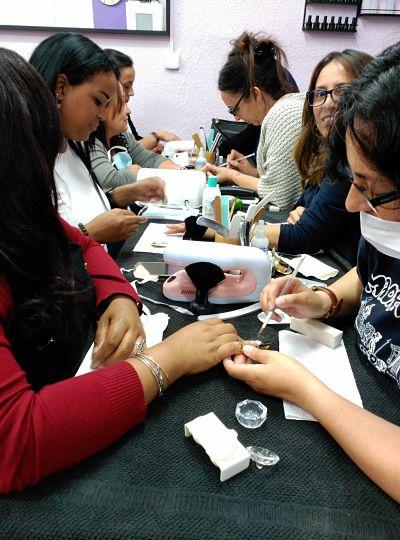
x=328 y=23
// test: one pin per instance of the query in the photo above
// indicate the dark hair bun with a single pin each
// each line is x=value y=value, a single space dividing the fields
x=264 y=50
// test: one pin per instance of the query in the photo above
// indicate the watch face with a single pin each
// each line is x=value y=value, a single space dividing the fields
x=110 y=2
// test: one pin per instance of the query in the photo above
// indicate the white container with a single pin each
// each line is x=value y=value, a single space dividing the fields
x=260 y=239
x=201 y=160
x=210 y=192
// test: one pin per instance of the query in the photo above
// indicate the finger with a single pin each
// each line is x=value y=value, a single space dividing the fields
x=295 y=300
x=110 y=342
x=242 y=372
x=256 y=354
x=101 y=333
x=124 y=349
x=227 y=350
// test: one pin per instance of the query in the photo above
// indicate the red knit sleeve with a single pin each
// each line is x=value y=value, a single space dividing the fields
x=106 y=275
x=62 y=424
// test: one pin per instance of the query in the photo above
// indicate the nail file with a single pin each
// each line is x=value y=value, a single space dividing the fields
x=325 y=334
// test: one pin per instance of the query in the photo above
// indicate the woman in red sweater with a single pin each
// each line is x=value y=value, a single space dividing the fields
x=55 y=284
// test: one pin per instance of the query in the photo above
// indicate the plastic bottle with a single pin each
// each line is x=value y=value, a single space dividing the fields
x=201 y=159
x=210 y=192
x=260 y=239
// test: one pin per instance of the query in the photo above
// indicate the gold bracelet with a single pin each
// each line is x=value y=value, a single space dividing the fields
x=159 y=374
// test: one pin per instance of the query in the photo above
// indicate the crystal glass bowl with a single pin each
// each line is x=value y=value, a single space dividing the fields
x=251 y=414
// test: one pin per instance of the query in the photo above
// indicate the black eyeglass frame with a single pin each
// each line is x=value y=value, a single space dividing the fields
x=310 y=95
x=385 y=198
x=233 y=110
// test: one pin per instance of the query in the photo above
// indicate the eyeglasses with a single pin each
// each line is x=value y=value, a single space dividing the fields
x=385 y=198
x=316 y=98
x=233 y=110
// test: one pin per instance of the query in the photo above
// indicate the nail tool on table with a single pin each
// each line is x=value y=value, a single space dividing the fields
x=284 y=290
x=213 y=224
x=203 y=138
x=253 y=209
x=197 y=140
x=216 y=142
x=240 y=159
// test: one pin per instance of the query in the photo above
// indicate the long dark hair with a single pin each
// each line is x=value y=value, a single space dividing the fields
x=119 y=59
x=74 y=55
x=33 y=244
x=370 y=112
x=79 y=59
x=309 y=150
x=255 y=61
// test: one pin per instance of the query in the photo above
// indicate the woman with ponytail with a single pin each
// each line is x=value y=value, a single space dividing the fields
x=254 y=86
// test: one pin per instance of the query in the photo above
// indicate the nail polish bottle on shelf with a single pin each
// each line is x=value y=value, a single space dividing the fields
x=339 y=24
x=316 y=23
x=309 y=23
x=346 y=25
x=331 y=25
x=353 y=25
x=324 y=25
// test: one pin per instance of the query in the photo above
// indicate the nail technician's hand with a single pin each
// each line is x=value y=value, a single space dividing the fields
x=295 y=215
x=298 y=301
x=222 y=173
x=275 y=374
x=244 y=166
x=118 y=330
x=114 y=226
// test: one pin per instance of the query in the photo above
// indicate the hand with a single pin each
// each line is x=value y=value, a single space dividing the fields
x=114 y=226
x=295 y=215
x=118 y=331
x=150 y=189
x=175 y=228
x=196 y=348
x=135 y=168
x=298 y=301
x=223 y=174
x=166 y=136
x=275 y=374
x=244 y=166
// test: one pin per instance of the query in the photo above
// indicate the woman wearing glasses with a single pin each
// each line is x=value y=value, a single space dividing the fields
x=320 y=219
x=253 y=85
x=365 y=144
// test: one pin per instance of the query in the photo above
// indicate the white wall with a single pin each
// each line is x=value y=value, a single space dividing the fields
x=183 y=100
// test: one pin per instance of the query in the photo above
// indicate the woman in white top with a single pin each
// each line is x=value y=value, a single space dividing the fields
x=84 y=82
x=253 y=85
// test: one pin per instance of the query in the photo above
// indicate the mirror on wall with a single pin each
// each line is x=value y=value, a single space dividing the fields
x=115 y=16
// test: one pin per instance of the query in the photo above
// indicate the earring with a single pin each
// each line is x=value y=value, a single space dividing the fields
x=58 y=100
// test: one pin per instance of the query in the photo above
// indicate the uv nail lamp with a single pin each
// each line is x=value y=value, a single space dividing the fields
x=247 y=271
x=180 y=186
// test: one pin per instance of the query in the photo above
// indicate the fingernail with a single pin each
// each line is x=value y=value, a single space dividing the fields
x=248 y=349
x=280 y=302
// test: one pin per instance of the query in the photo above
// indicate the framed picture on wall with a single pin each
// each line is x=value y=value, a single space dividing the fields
x=112 y=16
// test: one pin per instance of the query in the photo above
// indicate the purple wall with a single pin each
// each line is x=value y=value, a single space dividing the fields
x=185 y=99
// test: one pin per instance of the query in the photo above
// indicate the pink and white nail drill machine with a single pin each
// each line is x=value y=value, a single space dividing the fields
x=247 y=271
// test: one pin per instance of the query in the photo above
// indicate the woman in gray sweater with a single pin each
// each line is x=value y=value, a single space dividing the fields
x=112 y=131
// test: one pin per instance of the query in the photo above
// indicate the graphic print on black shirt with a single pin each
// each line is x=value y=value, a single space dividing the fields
x=378 y=319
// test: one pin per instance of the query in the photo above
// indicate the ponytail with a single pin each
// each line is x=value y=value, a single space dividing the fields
x=255 y=61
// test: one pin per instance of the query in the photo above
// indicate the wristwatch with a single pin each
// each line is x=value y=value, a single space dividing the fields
x=335 y=303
